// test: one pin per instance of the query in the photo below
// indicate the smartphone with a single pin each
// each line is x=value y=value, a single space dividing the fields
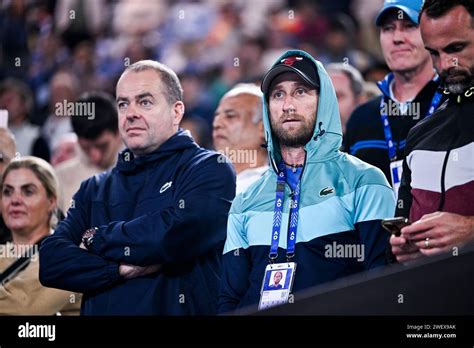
x=3 y=118
x=395 y=225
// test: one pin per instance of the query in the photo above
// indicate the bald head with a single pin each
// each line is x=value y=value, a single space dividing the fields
x=238 y=119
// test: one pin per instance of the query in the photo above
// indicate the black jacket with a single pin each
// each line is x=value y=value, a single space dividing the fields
x=365 y=137
x=168 y=207
x=438 y=171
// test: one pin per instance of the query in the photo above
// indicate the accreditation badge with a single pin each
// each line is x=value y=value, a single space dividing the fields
x=396 y=170
x=277 y=284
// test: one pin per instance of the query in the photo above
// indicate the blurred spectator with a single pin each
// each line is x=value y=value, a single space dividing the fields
x=63 y=90
x=48 y=57
x=339 y=44
x=238 y=133
x=79 y=20
x=16 y=97
x=364 y=12
x=83 y=66
x=14 y=53
x=376 y=72
x=199 y=129
x=409 y=92
x=7 y=152
x=7 y=148
x=349 y=86
x=250 y=58
x=197 y=100
x=253 y=14
x=137 y=50
x=309 y=25
x=371 y=90
x=339 y=6
x=66 y=149
x=99 y=144
x=136 y=18
x=29 y=194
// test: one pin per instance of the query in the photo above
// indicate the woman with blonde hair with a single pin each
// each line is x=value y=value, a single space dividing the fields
x=29 y=195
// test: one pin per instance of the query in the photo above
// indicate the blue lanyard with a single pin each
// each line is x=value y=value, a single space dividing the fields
x=392 y=152
x=278 y=213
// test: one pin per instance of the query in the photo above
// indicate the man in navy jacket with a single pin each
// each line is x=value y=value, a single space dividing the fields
x=146 y=237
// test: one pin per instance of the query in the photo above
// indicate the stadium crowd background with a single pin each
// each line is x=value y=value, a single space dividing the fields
x=61 y=49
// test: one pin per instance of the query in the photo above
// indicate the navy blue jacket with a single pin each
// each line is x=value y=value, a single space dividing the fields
x=168 y=207
x=365 y=137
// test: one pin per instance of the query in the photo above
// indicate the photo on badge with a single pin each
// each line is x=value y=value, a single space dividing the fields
x=277 y=284
x=277 y=280
x=278 y=276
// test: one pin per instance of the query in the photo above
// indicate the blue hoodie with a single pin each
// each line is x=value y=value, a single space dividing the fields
x=168 y=207
x=342 y=201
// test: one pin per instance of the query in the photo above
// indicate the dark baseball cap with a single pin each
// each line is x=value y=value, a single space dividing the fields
x=300 y=65
x=411 y=8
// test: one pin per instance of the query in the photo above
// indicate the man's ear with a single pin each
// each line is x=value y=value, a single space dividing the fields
x=178 y=108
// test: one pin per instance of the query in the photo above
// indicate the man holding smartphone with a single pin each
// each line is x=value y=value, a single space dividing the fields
x=437 y=188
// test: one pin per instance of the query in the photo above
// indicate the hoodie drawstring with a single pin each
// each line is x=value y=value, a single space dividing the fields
x=321 y=131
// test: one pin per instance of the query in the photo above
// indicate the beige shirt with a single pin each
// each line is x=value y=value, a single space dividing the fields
x=70 y=175
x=24 y=294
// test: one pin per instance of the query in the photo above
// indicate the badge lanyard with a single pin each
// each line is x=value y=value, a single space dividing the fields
x=392 y=152
x=278 y=213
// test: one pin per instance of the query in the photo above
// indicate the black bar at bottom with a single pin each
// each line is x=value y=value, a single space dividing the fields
x=244 y=330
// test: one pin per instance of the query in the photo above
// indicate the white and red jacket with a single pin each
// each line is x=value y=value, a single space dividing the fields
x=438 y=171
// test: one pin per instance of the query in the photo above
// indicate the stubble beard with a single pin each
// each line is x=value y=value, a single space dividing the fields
x=458 y=87
x=295 y=138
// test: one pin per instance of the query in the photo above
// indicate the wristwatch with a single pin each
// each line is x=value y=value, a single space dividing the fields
x=88 y=237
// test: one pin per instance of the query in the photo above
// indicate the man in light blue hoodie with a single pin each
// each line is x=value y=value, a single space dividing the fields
x=329 y=203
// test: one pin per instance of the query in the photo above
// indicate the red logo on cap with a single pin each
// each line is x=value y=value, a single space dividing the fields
x=290 y=60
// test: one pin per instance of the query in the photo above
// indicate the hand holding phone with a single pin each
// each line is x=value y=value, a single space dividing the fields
x=395 y=225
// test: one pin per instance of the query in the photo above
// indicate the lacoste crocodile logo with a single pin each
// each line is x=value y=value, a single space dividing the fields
x=166 y=186
x=326 y=191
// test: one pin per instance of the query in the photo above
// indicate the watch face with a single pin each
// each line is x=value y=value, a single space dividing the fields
x=89 y=240
x=88 y=237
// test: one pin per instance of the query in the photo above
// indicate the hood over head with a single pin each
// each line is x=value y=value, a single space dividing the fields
x=327 y=135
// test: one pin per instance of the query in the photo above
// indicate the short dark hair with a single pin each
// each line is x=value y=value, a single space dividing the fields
x=437 y=8
x=174 y=91
x=20 y=88
x=105 y=118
